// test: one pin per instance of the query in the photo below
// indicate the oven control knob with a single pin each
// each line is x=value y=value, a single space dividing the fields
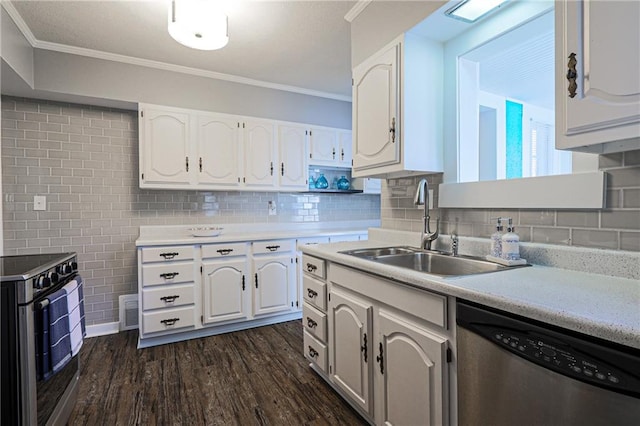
x=67 y=268
x=59 y=269
x=37 y=283
x=74 y=266
x=54 y=277
x=46 y=282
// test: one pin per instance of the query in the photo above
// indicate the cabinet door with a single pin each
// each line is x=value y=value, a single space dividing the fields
x=226 y=289
x=411 y=372
x=345 y=153
x=259 y=154
x=273 y=284
x=218 y=151
x=376 y=124
x=323 y=147
x=165 y=143
x=292 y=169
x=606 y=104
x=351 y=346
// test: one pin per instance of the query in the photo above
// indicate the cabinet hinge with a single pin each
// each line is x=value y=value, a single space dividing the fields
x=449 y=355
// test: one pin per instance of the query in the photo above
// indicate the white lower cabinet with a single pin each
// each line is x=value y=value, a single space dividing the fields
x=226 y=290
x=350 y=347
x=274 y=277
x=388 y=348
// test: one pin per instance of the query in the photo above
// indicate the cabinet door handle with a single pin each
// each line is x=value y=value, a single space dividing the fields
x=272 y=248
x=282 y=168
x=224 y=252
x=363 y=348
x=170 y=321
x=243 y=283
x=169 y=275
x=169 y=299
x=572 y=75
x=256 y=280
x=311 y=293
x=311 y=267
x=334 y=153
x=313 y=353
x=186 y=161
x=311 y=323
x=168 y=256
x=392 y=130
x=380 y=359
x=342 y=154
x=272 y=168
x=200 y=164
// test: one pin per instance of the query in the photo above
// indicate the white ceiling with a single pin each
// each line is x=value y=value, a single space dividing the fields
x=304 y=44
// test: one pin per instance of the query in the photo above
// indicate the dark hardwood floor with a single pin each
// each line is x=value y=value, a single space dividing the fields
x=251 y=377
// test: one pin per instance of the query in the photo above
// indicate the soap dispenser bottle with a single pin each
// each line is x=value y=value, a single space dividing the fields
x=510 y=244
x=496 y=240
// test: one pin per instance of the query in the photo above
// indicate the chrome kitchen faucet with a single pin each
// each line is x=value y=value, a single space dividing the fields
x=422 y=198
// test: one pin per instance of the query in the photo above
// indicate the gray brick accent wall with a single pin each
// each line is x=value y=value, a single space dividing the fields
x=616 y=227
x=84 y=159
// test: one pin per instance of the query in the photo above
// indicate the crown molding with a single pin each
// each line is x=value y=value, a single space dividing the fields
x=165 y=66
x=357 y=10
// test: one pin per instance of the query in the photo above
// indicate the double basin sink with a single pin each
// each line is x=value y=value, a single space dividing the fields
x=428 y=261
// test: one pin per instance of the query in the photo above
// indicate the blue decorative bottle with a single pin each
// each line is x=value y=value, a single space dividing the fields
x=321 y=182
x=343 y=183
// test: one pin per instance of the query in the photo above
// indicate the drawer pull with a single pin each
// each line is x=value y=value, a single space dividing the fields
x=169 y=322
x=169 y=255
x=311 y=267
x=312 y=293
x=272 y=248
x=169 y=299
x=313 y=353
x=224 y=252
x=169 y=275
x=363 y=348
x=311 y=323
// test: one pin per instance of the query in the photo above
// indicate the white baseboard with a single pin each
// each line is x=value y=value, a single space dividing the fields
x=102 y=329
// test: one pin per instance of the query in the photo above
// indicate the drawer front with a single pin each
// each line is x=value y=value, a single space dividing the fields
x=167 y=296
x=311 y=241
x=315 y=351
x=160 y=274
x=167 y=320
x=314 y=266
x=315 y=292
x=315 y=322
x=167 y=254
x=277 y=246
x=224 y=250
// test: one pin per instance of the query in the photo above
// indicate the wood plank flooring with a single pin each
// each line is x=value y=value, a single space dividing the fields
x=250 y=377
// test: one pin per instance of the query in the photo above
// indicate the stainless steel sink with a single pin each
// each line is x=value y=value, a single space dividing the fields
x=430 y=262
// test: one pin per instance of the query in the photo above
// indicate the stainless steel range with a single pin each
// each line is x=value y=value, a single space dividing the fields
x=29 y=395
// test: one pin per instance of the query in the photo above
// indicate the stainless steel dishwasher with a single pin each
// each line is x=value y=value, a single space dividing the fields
x=516 y=371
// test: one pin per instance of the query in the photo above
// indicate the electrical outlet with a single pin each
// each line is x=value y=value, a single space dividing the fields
x=39 y=202
x=272 y=208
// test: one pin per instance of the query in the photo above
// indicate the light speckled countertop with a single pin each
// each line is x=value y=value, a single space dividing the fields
x=598 y=305
x=179 y=234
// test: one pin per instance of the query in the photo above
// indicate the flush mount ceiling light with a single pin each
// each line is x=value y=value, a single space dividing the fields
x=472 y=10
x=198 y=24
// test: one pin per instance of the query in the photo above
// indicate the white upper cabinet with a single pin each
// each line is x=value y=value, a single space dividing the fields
x=330 y=147
x=397 y=110
x=292 y=166
x=259 y=154
x=164 y=158
x=598 y=44
x=218 y=150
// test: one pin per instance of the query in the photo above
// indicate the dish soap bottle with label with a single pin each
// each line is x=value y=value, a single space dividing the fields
x=510 y=244
x=496 y=240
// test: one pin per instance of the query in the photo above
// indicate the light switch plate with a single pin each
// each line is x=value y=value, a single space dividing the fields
x=272 y=208
x=39 y=202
